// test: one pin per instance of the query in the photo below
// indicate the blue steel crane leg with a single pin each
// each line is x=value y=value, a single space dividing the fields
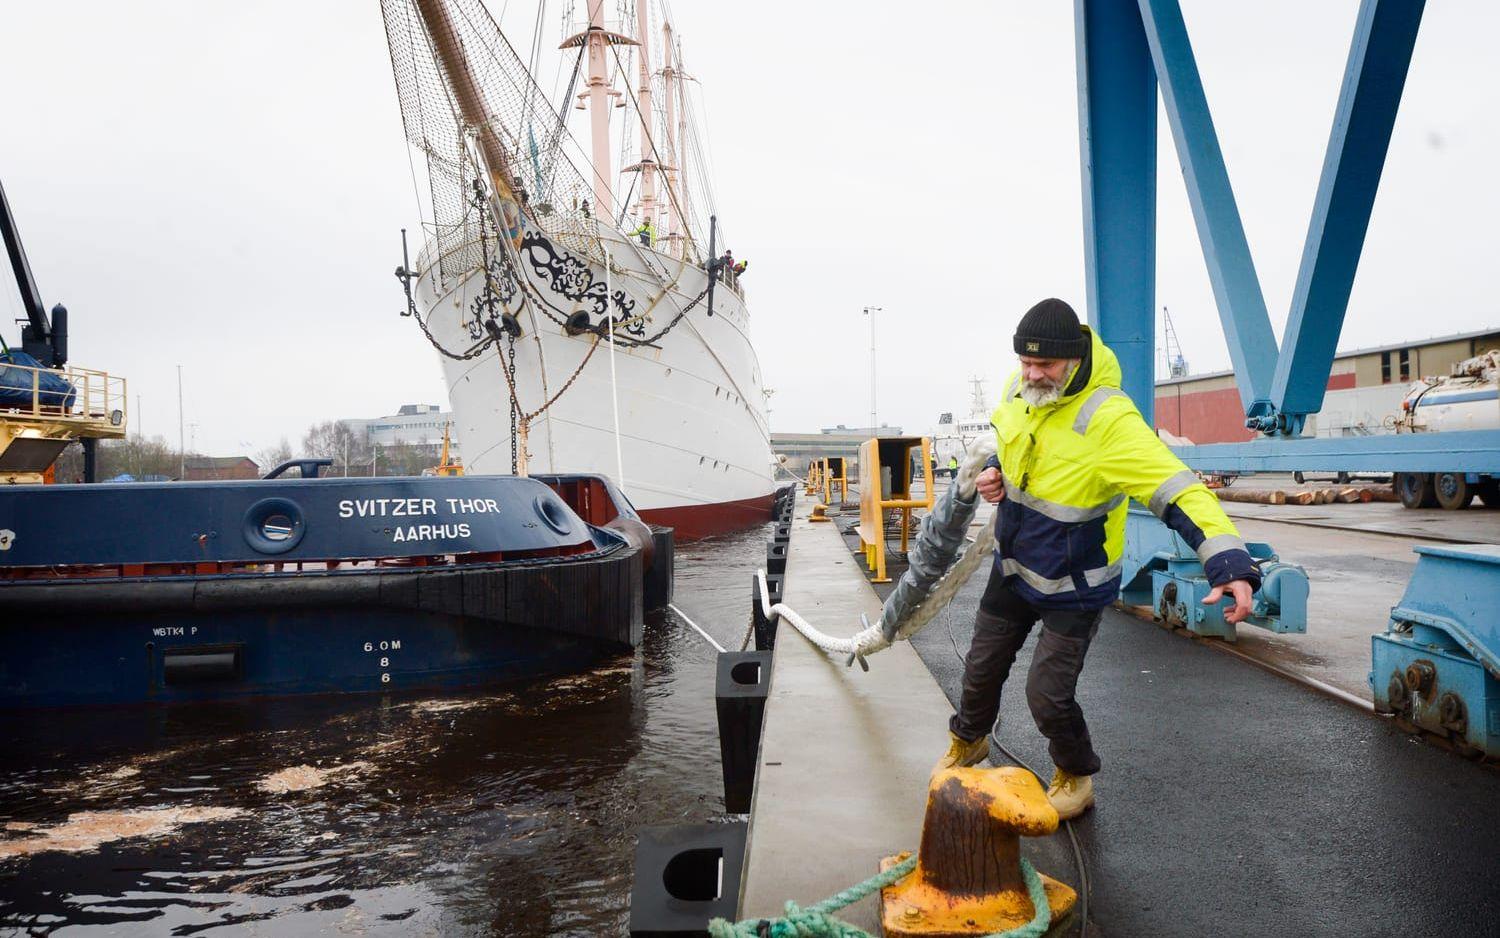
x=1384 y=35
x=1117 y=140
x=1231 y=271
x=1117 y=85
x=1438 y=663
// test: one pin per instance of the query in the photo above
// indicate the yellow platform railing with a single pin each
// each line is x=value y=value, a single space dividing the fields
x=814 y=477
x=98 y=407
x=33 y=431
x=885 y=483
x=835 y=475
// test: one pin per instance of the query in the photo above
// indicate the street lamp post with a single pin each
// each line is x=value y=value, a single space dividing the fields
x=871 y=311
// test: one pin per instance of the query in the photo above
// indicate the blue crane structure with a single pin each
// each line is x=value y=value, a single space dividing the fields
x=1438 y=663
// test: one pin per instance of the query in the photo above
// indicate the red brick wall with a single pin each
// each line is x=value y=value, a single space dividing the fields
x=242 y=470
x=1213 y=416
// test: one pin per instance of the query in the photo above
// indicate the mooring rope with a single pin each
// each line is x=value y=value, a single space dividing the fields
x=870 y=639
x=696 y=628
x=829 y=643
x=817 y=921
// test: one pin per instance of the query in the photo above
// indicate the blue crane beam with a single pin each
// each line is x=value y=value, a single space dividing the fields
x=1451 y=451
x=1226 y=252
x=1385 y=34
x=1117 y=141
x=1126 y=50
x=1278 y=388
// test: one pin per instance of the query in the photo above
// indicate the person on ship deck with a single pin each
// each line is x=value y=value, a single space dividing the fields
x=646 y=232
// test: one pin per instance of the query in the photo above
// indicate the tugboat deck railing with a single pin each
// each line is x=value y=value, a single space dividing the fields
x=98 y=407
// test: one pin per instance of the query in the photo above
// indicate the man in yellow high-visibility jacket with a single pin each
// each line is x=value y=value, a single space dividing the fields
x=1073 y=451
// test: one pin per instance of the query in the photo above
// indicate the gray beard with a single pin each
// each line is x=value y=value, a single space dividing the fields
x=1040 y=395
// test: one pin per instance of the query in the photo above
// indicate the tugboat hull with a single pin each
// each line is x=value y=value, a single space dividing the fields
x=86 y=620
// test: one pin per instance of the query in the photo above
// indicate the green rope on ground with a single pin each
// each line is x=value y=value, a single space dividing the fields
x=817 y=921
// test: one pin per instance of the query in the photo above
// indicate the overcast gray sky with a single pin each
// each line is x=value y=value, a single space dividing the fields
x=220 y=185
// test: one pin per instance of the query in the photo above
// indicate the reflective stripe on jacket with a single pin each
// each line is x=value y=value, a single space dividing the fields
x=1070 y=470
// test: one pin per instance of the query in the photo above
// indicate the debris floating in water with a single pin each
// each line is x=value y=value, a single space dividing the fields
x=86 y=830
x=304 y=777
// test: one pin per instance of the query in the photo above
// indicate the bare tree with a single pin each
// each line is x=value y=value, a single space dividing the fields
x=405 y=459
x=273 y=456
x=336 y=439
x=138 y=457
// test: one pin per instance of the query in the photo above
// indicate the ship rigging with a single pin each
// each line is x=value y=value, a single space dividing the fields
x=527 y=269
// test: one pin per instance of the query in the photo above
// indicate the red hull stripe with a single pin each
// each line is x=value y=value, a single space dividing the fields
x=694 y=521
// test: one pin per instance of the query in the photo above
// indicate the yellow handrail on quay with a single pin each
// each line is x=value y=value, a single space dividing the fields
x=814 y=477
x=835 y=473
x=885 y=482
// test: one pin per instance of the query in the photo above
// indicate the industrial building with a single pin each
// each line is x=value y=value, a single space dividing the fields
x=1365 y=390
x=800 y=449
x=412 y=425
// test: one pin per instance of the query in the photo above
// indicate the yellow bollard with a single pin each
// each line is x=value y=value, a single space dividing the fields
x=819 y=513
x=968 y=877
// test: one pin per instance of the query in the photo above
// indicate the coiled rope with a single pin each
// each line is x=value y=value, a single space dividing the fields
x=817 y=921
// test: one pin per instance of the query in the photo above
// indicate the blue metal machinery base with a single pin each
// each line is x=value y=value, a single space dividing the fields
x=1437 y=666
x=1162 y=570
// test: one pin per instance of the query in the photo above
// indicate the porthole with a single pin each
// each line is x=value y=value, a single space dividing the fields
x=274 y=525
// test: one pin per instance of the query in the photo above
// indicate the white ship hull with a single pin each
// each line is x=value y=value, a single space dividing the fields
x=692 y=436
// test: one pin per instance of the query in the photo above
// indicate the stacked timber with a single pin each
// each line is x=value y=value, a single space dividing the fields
x=1341 y=494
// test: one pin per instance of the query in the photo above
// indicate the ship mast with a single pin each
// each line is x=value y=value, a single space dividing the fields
x=598 y=39
x=682 y=164
x=599 y=109
x=977 y=404
x=669 y=81
x=470 y=100
x=647 y=164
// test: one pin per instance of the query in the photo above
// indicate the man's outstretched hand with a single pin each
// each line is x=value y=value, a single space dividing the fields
x=990 y=485
x=1242 y=593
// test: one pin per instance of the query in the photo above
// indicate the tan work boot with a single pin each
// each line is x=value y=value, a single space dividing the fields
x=1071 y=795
x=963 y=753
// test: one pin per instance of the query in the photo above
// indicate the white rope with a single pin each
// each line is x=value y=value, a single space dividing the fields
x=829 y=643
x=707 y=637
x=614 y=387
x=870 y=639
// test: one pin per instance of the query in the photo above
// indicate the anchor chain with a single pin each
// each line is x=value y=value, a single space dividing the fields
x=511 y=376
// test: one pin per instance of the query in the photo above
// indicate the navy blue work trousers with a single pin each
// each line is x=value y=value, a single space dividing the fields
x=1000 y=629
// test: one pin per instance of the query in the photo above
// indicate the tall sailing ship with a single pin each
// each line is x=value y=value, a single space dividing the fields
x=580 y=331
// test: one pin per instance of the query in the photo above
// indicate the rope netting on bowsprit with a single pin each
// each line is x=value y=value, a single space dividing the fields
x=521 y=130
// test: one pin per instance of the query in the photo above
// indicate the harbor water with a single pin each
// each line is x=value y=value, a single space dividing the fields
x=511 y=811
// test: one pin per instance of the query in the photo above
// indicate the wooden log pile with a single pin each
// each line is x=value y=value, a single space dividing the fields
x=1338 y=494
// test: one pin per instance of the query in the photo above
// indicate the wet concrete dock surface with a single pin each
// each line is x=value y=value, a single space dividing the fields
x=1234 y=801
x=843 y=768
x=1358 y=558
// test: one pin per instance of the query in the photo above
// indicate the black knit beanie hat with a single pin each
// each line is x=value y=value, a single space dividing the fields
x=1050 y=329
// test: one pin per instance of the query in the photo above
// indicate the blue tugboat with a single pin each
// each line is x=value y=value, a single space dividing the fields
x=127 y=593
x=181 y=591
